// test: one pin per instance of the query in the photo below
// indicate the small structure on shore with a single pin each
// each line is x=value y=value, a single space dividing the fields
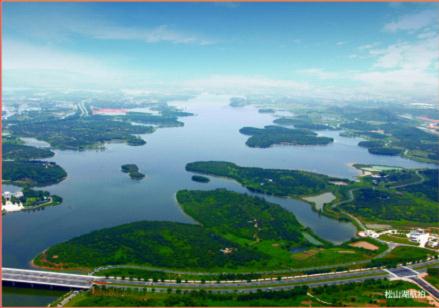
x=11 y=202
x=368 y=233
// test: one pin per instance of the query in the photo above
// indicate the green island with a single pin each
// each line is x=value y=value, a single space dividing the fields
x=395 y=129
x=23 y=152
x=133 y=171
x=167 y=120
x=291 y=183
x=266 y=110
x=367 y=293
x=83 y=129
x=277 y=135
x=200 y=179
x=389 y=133
x=79 y=133
x=32 y=173
x=301 y=122
x=236 y=232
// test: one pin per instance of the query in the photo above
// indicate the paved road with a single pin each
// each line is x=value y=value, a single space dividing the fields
x=403 y=272
x=426 y=286
x=304 y=279
x=83 y=109
x=348 y=200
x=421 y=180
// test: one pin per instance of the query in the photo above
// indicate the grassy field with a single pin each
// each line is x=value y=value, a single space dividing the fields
x=397 y=239
x=433 y=276
x=403 y=254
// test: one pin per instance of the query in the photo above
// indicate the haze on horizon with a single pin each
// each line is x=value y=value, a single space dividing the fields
x=330 y=52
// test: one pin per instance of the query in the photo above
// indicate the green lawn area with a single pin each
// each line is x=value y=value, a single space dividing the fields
x=323 y=256
x=433 y=276
x=368 y=293
x=402 y=239
x=403 y=254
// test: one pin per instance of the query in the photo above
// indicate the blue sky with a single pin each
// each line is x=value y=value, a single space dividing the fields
x=329 y=51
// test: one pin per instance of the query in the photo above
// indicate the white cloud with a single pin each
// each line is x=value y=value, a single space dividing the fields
x=245 y=84
x=162 y=33
x=413 y=22
x=54 y=26
x=418 y=55
x=319 y=73
x=403 y=84
x=32 y=65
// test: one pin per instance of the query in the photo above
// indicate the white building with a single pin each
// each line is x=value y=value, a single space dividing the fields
x=18 y=194
x=9 y=206
x=423 y=238
x=368 y=233
x=415 y=235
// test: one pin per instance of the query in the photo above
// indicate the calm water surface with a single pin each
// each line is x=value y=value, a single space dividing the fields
x=28 y=297
x=97 y=194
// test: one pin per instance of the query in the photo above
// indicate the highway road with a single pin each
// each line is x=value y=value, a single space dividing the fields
x=76 y=281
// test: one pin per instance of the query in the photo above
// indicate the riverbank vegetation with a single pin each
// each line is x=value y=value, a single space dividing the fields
x=401 y=196
x=278 y=135
x=377 y=204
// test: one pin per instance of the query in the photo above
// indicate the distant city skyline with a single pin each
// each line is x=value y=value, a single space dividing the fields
x=323 y=51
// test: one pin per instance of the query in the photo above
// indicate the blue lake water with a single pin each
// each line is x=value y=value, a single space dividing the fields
x=97 y=194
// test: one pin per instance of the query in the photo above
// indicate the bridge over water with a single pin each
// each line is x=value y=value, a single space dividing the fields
x=67 y=280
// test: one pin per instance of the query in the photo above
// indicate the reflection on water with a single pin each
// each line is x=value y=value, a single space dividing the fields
x=97 y=194
x=28 y=297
